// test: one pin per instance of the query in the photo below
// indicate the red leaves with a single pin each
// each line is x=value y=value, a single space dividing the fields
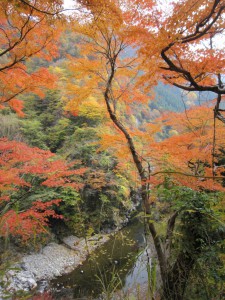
x=30 y=223
x=19 y=163
x=60 y=175
x=18 y=159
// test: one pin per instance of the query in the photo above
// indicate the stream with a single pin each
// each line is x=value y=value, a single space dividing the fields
x=120 y=264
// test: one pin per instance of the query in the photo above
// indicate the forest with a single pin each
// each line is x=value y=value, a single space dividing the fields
x=113 y=111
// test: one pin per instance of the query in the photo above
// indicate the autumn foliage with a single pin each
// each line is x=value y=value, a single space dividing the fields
x=125 y=48
x=169 y=45
x=165 y=43
x=19 y=166
x=31 y=223
x=26 y=30
x=191 y=155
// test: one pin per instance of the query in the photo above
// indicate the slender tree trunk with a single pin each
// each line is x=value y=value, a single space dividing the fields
x=174 y=279
x=143 y=177
x=177 y=277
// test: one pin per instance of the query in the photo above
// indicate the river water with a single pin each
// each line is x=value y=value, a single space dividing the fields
x=120 y=264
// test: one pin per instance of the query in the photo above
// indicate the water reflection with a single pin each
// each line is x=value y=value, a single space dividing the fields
x=119 y=264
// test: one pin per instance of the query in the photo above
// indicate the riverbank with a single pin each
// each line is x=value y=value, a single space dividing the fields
x=119 y=264
x=52 y=261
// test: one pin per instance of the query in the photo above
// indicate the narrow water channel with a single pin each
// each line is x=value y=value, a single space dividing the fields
x=118 y=264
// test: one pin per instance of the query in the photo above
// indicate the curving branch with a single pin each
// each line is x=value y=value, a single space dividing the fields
x=202 y=28
x=144 y=174
x=46 y=12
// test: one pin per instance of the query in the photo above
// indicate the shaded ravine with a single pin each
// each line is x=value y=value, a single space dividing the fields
x=120 y=262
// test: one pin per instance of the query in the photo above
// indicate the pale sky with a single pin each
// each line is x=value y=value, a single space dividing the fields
x=68 y=3
x=220 y=43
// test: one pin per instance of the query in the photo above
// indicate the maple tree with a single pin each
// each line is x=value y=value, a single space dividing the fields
x=118 y=82
x=180 y=174
x=28 y=28
x=106 y=74
x=190 y=150
x=20 y=167
x=188 y=180
x=186 y=44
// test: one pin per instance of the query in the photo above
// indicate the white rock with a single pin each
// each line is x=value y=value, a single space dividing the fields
x=54 y=260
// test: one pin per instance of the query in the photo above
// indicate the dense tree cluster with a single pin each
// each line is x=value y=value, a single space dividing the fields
x=119 y=99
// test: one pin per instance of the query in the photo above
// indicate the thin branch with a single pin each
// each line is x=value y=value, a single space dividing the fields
x=188 y=175
x=46 y=12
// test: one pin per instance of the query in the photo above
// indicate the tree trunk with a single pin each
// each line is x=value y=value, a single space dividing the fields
x=174 y=279
x=177 y=277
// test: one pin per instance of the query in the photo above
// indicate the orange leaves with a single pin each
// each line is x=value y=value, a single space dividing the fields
x=87 y=83
x=139 y=12
x=18 y=81
x=40 y=79
x=115 y=141
x=187 y=157
x=108 y=12
x=169 y=44
x=26 y=31
x=17 y=106
x=178 y=40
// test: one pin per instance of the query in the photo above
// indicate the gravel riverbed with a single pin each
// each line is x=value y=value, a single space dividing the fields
x=52 y=261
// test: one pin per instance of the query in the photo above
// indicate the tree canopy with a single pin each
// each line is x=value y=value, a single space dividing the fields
x=88 y=83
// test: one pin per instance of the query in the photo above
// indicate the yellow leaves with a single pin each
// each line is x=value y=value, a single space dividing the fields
x=61 y=73
x=91 y=109
x=80 y=101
